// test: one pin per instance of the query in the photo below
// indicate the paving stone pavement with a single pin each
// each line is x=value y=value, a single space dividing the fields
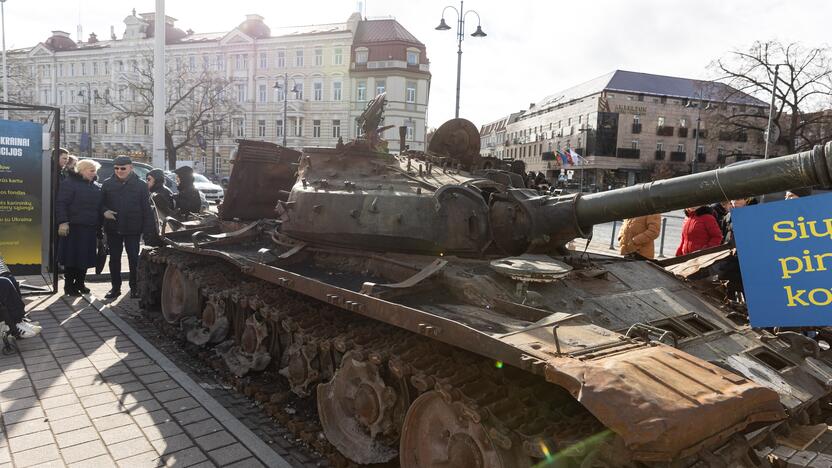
x=80 y=395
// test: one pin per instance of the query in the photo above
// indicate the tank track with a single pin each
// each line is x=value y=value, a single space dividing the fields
x=308 y=339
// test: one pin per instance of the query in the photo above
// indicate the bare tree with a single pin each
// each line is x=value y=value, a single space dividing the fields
x=802 y=91
x=195 y=99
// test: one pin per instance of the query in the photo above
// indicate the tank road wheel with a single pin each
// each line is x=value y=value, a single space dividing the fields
x=438 y=433
x=212 y=327
x=360 y=413
x=180 y=296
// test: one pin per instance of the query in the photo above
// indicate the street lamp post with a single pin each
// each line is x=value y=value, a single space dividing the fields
x=696 y=136
x=286 y=90
x=460 y=35
x=89 y=119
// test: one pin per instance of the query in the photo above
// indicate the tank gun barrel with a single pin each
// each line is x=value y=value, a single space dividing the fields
x=524 y=221
x=808 y=168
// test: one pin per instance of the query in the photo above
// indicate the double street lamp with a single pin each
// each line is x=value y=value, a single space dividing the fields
x=285 y=87
x=460 y=35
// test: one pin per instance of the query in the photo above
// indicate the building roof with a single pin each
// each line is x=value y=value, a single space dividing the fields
x=647 y=83
x=383 y=30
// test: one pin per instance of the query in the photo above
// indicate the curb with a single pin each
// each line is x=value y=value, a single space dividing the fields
x=253 y=443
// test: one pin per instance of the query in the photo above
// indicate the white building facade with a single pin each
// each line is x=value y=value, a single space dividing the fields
x=317 y=62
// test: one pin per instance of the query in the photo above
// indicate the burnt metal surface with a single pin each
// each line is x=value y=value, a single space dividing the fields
x=396 y=249
x=262 y=173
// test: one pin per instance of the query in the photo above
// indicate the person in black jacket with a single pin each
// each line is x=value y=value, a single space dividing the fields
x=128 y=215
x=188 y=199
x=12 y=309
x=160 y=195
x=78 y=214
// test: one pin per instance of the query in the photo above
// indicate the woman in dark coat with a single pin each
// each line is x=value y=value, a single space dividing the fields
x=78 y=214
x=161 y=196
x=187 y=199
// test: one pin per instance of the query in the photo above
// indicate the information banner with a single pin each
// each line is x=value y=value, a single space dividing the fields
x=21 y=165
x=785 y=254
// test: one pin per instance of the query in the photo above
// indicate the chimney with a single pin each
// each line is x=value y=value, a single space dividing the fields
x=93 y=39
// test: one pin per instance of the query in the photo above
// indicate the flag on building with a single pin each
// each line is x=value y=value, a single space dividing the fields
x=568 y=153
x=563 y=157
x=576 y=157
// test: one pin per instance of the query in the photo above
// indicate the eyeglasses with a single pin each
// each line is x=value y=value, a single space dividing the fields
x=120 y=168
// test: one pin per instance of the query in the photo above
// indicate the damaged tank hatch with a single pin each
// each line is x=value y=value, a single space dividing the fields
x=429 y=304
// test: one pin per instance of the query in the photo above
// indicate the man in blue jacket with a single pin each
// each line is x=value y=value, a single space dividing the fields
x=127 y=215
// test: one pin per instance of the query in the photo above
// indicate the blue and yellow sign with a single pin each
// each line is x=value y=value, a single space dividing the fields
x=785 y=254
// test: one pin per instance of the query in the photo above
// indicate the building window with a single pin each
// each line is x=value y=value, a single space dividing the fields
x=280 y=94
x=659 y=146
x=361 y=91
x=410 y=92
x=700 y=149
x=319 y=56
x=298 y=126
x=317 y=91
x=636 y=120
x=281 y=59
x=147 y=126
x=220 y=62
x=380 y=86
x=60 y=96
x=104 y=126
x=336 y=90
x=95 y=68
x=264 y=60
x=242 y=62
x=336 y=129
x=239 y=127
x=299 y=58
x=299 y=92
x=241 y=93
x=72 y=126
x=361 y=56
x=410 y=133
x=680 y=148
x=120 y=127
x=71 y=69
x=279 y=128
x=337 y=56
x=634 y=144
x=683 y=123
x=316 y=128
x=192 y=63
x=412 y=58
x=261 y=128
x=206 y=62
x=261 y=93
x=661 y=122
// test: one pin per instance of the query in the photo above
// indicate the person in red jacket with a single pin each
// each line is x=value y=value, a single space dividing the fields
x=699 y=231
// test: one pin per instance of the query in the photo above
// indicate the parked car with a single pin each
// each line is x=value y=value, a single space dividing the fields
x=141 y=170
x=212 y=191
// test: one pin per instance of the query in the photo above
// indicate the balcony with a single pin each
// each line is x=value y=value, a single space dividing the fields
x=678 y=156
x=702 y=134
x=628 y=153
x=683 y=132
x=701 y=157
x=660 y=155
x=636 y=128
x=664 y=131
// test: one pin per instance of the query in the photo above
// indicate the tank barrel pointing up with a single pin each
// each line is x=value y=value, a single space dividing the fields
x=809 y=168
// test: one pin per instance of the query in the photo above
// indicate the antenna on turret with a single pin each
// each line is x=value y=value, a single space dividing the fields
x=79 y=29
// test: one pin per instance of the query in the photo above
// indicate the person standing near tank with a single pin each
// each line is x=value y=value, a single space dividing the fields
x=699 y=231
x=127 y=215
x=160 y=195
x=78 y=214
x=637 y=235
x=187 y=199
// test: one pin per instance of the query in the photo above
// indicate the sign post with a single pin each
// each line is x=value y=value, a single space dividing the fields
x=21 y=166
x=785 y=254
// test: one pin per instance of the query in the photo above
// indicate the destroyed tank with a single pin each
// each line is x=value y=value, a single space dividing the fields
x=430 y=306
